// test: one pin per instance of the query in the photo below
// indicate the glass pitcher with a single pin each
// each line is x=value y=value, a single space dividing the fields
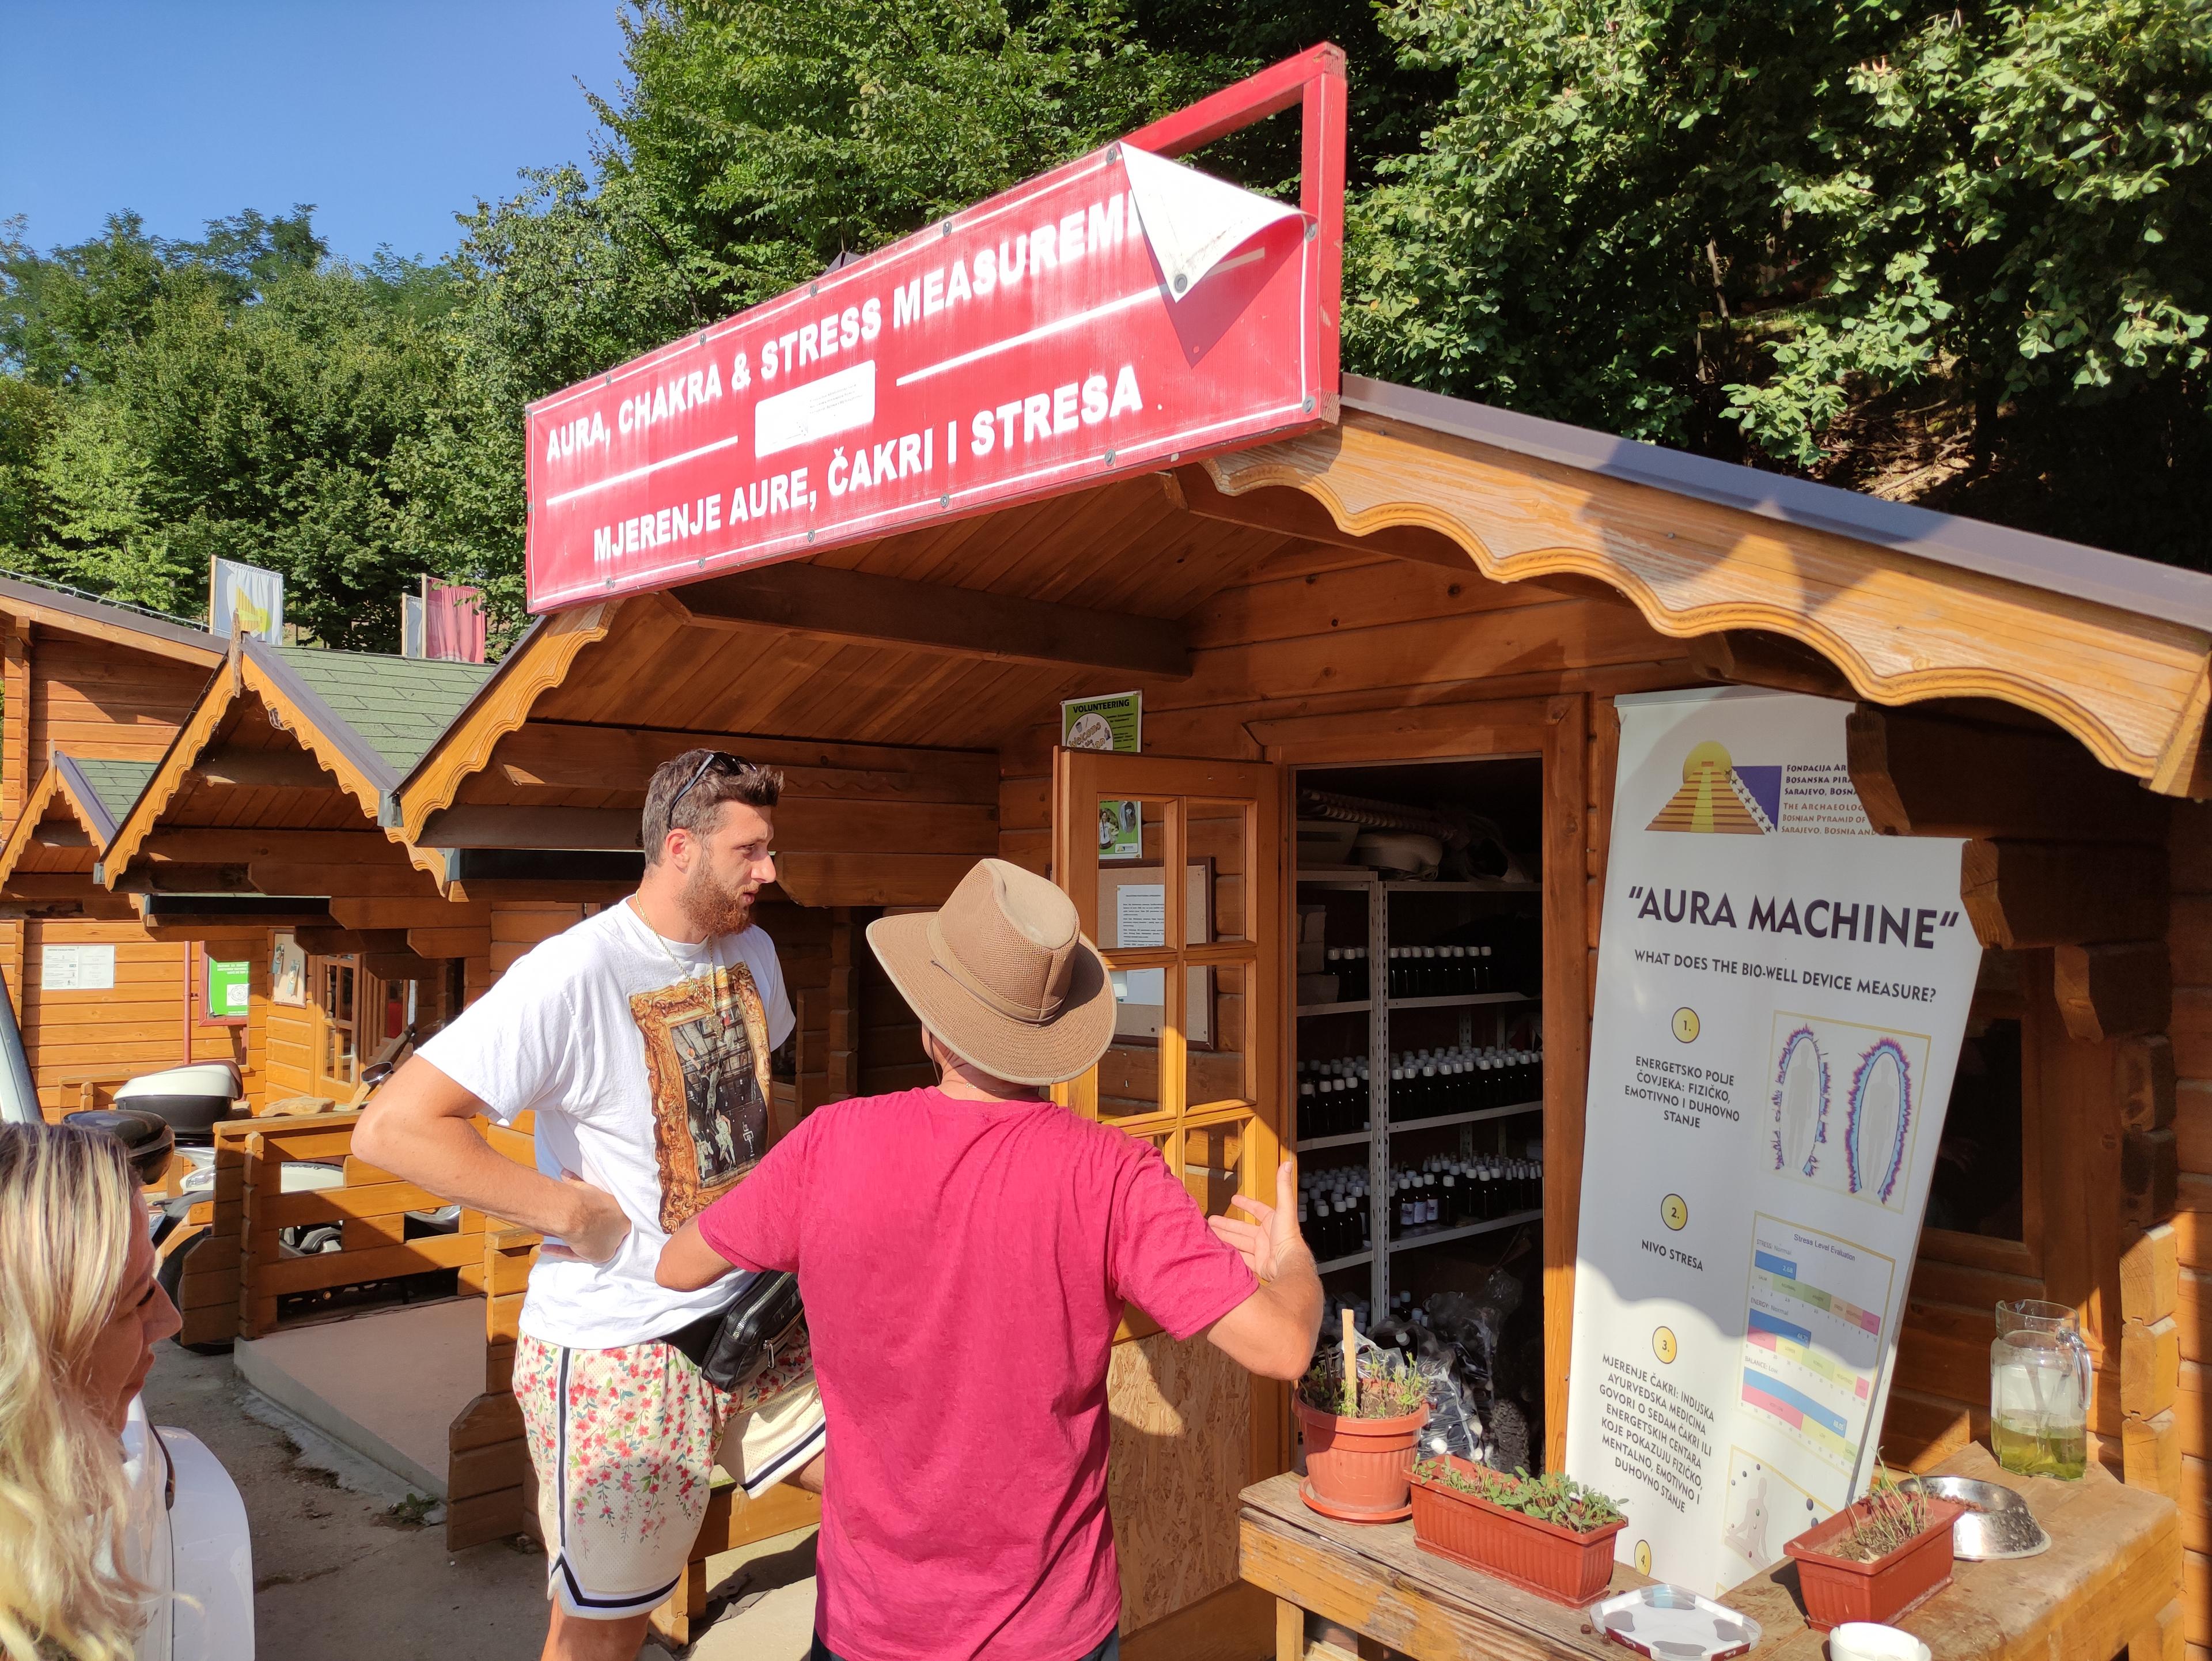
x=2040 y=1385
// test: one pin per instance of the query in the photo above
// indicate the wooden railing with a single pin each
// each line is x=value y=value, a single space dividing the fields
x=234 y=1276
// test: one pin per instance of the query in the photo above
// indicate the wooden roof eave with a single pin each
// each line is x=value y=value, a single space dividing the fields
x=359 y=771
x=538 y=663
x=2132 y=686
x=109 y=623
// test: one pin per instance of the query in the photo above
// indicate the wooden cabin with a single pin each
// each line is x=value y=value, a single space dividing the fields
x=93 y=695
x=1436 y=594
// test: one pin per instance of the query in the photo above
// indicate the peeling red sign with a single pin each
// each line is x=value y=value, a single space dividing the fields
x=1025 y=346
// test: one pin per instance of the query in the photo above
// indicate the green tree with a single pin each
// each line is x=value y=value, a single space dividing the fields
x=242 y=396
x=1787 y=231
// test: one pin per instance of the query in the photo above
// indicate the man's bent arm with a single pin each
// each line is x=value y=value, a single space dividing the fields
x=417 y=1127
x=1272 y=1332
x=688 y=1262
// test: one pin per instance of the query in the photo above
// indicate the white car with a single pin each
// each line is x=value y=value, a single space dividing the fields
x=187 y=1539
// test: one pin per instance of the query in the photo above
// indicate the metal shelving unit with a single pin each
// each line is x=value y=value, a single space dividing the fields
x=1465 y=1231
x=1378 y=1010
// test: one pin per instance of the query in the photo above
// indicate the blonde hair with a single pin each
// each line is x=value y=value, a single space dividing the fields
x=67 y=1203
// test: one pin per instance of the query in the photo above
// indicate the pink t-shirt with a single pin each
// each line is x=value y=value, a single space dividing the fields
x=964 y=1266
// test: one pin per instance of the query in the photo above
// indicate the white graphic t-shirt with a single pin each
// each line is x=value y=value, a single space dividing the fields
x=645 y=1061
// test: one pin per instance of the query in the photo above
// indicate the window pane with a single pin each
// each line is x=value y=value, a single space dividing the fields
x=1132 y=900
x=1215 y=1068
x=1213 y=1164
x=1129 y=1080
x=1216 y=835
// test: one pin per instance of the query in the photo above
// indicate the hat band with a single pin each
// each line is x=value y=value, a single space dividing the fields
x=947 y=960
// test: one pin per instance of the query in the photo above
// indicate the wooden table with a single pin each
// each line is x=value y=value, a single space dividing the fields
x=2111 y=1581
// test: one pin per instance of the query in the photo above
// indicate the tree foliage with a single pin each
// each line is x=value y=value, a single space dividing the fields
x=1743 y=226
x=240 y=396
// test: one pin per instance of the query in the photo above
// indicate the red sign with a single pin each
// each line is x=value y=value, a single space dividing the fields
x=1030 y=344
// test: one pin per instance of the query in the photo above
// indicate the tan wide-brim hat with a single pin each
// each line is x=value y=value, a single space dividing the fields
x=1002 y=975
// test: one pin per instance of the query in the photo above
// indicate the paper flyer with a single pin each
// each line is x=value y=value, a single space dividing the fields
x=1781 y=1000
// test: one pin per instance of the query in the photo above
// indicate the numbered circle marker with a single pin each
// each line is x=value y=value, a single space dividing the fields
x=1644 y=1557
x=1662 y=1343
x=1674 y=1211
x=1686 y=1024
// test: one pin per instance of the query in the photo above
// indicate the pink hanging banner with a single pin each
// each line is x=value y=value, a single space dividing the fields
x=452 y=622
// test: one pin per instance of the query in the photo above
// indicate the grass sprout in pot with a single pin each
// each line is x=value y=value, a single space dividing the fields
x=1879 y=1557
x=1547 y=1534
x=1359 y=1443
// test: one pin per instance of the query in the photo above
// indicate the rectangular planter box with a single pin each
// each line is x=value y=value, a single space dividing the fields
x=1552 y=1561
x=1837 y=1590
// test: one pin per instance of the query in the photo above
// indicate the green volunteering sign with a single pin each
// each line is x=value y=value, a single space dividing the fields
x=229 y=989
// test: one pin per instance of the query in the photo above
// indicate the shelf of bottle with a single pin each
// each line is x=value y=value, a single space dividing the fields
x=1473 y=885
x=1357 y=1007
x=1472 y=1116
x=1353 y=1262
x=1461 y=1000
x=1347 y=1139
x=1465 y=1231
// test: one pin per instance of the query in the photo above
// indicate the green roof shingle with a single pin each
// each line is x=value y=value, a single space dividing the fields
x=117 y=783
x=399 y=705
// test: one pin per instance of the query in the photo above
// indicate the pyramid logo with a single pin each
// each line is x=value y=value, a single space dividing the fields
x=1719 y=797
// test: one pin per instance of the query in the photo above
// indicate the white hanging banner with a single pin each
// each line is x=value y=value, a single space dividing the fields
x=1781 y=1000
x=246 y=597
x=1191 y=220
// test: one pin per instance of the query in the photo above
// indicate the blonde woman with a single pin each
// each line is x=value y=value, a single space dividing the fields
x=80 y=1314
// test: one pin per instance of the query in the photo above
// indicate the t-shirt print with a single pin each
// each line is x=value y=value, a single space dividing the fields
x=705 y=1060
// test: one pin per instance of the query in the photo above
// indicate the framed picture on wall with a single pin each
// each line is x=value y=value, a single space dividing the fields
x=1133 y=916
x=288 y=971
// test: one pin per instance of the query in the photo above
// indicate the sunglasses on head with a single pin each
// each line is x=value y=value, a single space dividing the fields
x=730 y=764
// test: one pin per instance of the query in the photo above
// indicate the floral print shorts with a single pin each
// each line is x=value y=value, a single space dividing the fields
x=624 y=1443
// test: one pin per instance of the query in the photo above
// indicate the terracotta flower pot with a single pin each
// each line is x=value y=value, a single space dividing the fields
x=1552 y=1561
x=1837 y=1589
x=1359 y=1470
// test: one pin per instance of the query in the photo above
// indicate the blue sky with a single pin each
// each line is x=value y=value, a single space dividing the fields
x=389 y=115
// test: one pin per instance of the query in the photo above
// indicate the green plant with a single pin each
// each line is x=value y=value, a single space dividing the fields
x=1892 y=1516
x=1390 y=1386
x=1553 y=1497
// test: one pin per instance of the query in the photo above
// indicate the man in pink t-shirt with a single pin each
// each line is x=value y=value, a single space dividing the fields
x=965 y=1253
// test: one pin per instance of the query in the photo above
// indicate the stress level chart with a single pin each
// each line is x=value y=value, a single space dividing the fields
x=1813 y=1338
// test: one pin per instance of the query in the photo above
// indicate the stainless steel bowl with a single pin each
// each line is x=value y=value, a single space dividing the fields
x=1996 y=1522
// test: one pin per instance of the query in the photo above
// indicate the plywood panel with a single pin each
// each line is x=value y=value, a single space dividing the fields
x=1181 y=1413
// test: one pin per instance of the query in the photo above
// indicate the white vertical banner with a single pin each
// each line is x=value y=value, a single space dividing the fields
x=1781 y=1000
x=246 y=597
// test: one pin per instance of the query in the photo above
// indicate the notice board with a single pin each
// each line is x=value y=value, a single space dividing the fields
x=1781 y=1000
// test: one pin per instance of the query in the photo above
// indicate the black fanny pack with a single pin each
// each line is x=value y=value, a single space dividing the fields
x=734 y=1346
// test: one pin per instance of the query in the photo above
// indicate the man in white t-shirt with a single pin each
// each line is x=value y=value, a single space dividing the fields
x=639 y=1038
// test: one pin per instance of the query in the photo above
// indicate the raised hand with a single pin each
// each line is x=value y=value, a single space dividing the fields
x=1273 y=1234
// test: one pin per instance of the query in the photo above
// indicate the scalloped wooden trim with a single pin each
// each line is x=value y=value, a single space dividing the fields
x=1898 y=627
x=34 y=812
x=465 y=747
x=223 y=692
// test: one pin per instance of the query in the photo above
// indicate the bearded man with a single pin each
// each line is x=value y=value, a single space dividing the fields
x=640 y=1041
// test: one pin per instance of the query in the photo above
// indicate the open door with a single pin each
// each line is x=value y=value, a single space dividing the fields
x=1196 y=1069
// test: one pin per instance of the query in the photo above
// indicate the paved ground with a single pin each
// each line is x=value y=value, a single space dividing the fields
x=347 y=1566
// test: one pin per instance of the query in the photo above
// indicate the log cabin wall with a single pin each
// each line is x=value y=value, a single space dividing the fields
x=98 y=698
x=82 y=1043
